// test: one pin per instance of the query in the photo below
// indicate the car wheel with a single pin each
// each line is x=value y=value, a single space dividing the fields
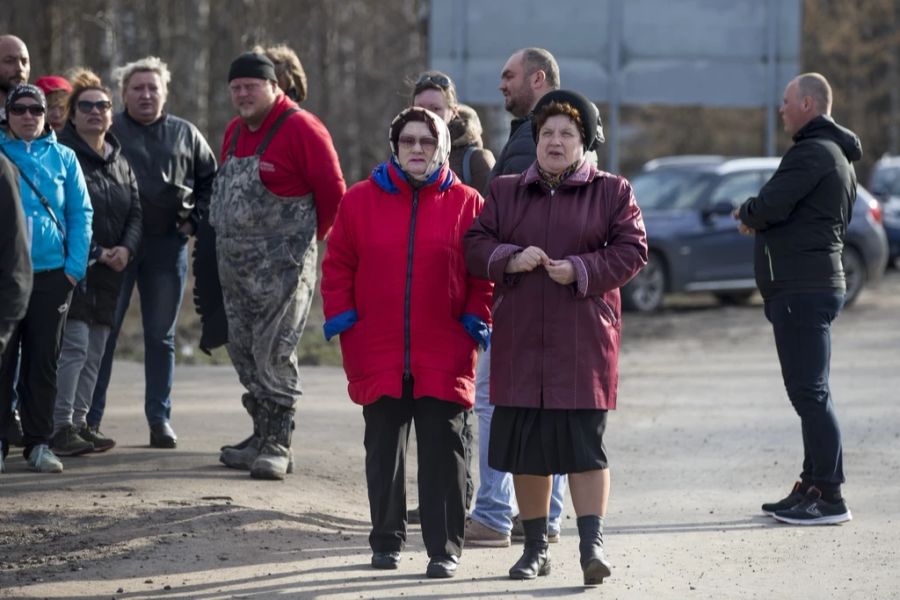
x=734 y=298
x=645 y=292
x=854 y=273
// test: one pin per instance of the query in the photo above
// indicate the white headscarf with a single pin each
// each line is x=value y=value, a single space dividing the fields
x=438 y=128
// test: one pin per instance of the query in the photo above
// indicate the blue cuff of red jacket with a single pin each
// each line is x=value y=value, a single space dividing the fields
x=478 y=329
x=340 y=323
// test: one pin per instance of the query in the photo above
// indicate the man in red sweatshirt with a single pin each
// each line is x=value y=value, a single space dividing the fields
x=277 y=191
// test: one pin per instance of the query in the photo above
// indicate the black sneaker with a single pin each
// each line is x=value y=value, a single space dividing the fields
x=92 y=434
x=790 y=501
x=67 y=442
x=813 y=510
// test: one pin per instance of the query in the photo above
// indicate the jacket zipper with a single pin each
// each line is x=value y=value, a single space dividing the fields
x=771 y=268
x=407 y=370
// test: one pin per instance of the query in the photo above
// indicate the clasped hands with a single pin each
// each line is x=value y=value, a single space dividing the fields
x=532 y=257
x=116 y=258
x=743 y=229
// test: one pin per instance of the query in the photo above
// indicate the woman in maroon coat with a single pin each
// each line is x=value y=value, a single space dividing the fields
x=558 y=241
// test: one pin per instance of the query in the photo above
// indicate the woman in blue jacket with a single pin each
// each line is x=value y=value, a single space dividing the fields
x=58 y=219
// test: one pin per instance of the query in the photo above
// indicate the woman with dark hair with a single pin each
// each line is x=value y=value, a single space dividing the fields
x=116 y=235
x=409 y=316
x=558 y=241
x=58 y=213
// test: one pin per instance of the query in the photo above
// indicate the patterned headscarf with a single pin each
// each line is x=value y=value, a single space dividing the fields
x=438 y=129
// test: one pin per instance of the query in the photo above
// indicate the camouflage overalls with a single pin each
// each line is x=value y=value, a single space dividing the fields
x=266 y=254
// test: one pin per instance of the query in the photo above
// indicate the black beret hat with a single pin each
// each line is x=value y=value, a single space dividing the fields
x=590 y=117
x=251 y=64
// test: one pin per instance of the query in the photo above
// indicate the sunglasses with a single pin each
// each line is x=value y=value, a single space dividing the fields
x=36 y=110
x=86 y=106
x=409 y=142
x=433 y=80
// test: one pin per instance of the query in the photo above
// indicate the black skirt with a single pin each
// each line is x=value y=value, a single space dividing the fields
x=538 y=441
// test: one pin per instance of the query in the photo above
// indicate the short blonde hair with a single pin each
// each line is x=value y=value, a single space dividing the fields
x=152 y=64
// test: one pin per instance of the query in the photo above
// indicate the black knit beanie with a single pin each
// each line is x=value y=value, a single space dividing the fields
x=587 y=111
x=25 y=90
x=251 y=64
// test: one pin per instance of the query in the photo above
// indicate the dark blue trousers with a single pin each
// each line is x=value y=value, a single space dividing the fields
x=802 y=326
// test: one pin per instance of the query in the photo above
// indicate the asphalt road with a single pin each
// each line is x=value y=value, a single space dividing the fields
x=703 y=435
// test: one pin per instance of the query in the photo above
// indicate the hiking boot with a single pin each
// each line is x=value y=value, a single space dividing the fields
x=477 y=534
x=275 y=459
x=790 y=501
x=242 y=455
x=814 y=510
x=101 y=442
x=42 y=460
x=517 y=534
x=67 y=442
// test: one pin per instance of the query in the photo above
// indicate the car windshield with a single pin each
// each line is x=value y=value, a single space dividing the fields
x=669 y=189
x=886 y=180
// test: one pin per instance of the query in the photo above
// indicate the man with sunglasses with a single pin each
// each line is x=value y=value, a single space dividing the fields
x=15 y=67
x=527 y=75
x=277 y=192
x=174 y=167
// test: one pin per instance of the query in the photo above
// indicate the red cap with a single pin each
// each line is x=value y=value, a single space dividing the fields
x=53 y=83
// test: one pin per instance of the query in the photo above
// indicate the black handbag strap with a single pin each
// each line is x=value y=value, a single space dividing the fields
x=44 y=202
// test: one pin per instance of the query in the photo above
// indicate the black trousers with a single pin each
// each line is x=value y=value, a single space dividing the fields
x=442 y=472
x=40 y=335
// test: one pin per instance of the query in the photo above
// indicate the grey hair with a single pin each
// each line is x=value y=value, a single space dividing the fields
x=538 y=59
x=816 y=87
x=150 y=64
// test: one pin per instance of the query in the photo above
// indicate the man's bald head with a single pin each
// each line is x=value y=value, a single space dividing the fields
x=15 y=64
x=816 y=87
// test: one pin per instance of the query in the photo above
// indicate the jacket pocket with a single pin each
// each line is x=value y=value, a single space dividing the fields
x=605 y=310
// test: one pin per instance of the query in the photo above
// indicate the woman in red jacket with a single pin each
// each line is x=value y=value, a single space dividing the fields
x=559 y=241
x=395 y=287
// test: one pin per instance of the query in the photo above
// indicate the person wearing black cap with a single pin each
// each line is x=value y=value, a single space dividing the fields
x=558 y=241
x=277 y=192
x=174 y=167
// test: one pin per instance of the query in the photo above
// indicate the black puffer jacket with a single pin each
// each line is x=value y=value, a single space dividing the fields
x=174 y=166
x=519 y=151
x=117 y=222
x=15 y=259
x=801 y=214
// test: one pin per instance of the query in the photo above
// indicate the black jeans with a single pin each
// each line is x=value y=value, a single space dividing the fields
x=442 y=472
x=39 y=334
x=802 y=326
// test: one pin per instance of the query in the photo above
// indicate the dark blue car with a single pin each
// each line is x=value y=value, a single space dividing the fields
x=694 y=244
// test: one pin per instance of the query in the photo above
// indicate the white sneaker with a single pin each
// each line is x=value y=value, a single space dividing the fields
x=42 y=460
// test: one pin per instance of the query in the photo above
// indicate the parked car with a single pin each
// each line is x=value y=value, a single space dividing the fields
x=885 y=184
x=694 y=243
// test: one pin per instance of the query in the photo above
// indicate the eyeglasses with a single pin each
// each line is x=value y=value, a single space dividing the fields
x=408 y=142
x=86 y=106
x=36 y=110
x=438 y=80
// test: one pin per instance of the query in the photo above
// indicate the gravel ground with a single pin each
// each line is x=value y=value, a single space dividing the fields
x=703 y=435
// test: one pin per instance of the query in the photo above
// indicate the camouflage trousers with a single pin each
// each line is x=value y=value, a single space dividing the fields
x=267 y=287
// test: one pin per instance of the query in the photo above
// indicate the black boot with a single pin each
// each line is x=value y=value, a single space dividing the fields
x=535 y=559
x=275 y=458
x=593 y=563
x=250 y=404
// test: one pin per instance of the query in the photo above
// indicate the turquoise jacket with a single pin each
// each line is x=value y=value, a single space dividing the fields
x=54 y=169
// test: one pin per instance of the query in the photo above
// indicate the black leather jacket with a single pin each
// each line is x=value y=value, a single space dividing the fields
x=174 y=166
